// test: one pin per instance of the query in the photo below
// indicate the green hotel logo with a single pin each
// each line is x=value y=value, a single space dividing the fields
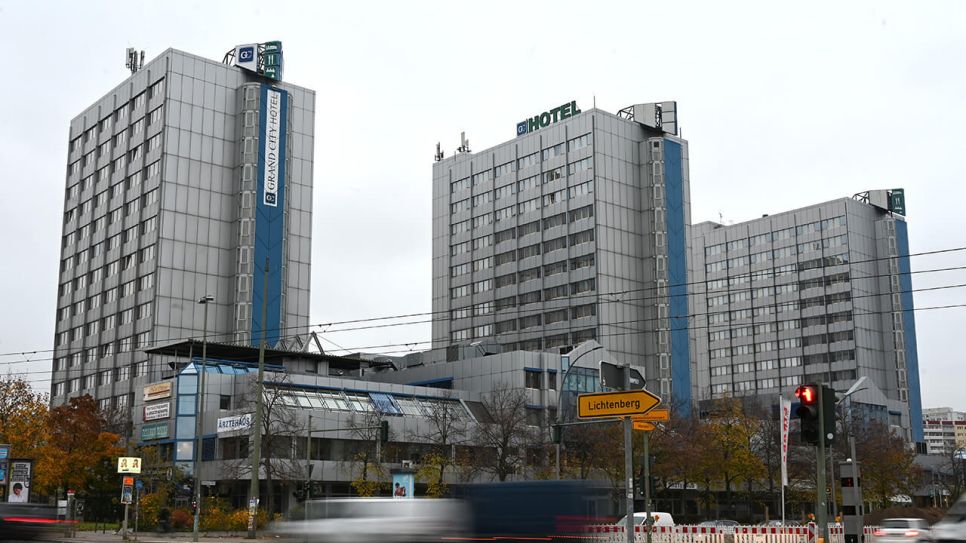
x=547 y=118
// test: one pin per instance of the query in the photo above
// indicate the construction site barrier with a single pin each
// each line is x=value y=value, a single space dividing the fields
x=612 y=533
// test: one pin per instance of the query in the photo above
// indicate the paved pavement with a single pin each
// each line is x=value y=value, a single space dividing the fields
x=153 y=537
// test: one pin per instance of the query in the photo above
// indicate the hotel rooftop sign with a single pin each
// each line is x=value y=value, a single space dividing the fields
x=547 y=118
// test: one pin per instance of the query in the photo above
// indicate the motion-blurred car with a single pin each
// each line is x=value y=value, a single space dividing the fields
x=952 y=527
x=903 y=530
x=19 y=521
x=386 y=520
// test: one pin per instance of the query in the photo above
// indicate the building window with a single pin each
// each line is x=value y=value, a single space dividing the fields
x=532 y=379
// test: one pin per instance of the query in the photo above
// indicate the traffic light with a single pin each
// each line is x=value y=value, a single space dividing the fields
x=384 y=431
x=808 y=412
x=555 y=433
x=828 y=413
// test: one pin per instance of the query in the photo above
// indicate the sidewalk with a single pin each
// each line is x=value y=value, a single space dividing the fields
x=154 y=537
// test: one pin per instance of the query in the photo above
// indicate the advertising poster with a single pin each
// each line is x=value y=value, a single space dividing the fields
x=18 y=490
x=403 y=485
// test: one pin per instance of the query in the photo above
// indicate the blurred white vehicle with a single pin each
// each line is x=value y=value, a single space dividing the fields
x=952 y=527
x=902 y=530
x=385 y=520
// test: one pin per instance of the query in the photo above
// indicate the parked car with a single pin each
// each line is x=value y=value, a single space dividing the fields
x=903 y=530
x=660 y=519
x=952 y=527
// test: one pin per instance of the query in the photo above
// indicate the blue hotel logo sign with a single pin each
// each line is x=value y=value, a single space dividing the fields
x=246 y=54
x=547 y=118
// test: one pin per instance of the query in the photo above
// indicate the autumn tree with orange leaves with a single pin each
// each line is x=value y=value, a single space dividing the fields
x=23 y=417
x=76 y=445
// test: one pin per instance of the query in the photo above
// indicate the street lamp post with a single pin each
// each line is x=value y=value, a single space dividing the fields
x=199 y=414
x=560 y=391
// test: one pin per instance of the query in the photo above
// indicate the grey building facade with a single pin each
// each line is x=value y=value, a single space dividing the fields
x=818 y=294
x=577 y=229
x=165 y=203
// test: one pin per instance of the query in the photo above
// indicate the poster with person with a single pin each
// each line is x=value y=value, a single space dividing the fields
x=402 y=485
x=19 y=481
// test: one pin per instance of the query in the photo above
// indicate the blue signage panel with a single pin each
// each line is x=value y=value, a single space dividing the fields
x=269 y=215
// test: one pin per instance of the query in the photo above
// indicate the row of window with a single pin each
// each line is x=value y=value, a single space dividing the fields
x=776 y=254
x=126 y=316
x=555 y=244
x=552 y=293
x=120 y=141
x=506 y=212
x=106 y=124
x=547 y=270
x=520 y=164
x=113 y=242
x=109 y=295
x=776 y=236
x=782 y=344
x=834 y=260
x=771 y=327
x=553 y=341
x=116 y=192
x=773 y=308
x=749 y=386
x=532 y=227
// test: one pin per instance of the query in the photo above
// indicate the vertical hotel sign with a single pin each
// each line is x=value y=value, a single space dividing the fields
x=269 y=213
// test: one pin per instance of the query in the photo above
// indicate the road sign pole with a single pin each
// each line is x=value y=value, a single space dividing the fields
x=629 y=464
x=821 y=505
x=647 y=485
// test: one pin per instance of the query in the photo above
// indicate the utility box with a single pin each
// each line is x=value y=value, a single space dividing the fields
x=852 y=510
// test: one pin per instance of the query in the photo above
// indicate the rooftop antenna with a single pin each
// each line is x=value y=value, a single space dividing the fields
x=439 y=153
x=134 y=60
x=464 y=144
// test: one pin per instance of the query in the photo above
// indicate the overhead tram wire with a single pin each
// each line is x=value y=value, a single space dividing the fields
x=625 y=324
x=618 y=293
x=616 y=334
x=519 y=310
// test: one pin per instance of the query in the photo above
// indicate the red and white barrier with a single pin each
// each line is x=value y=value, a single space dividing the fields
x=705 y=534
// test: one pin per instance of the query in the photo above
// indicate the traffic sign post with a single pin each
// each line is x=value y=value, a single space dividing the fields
x=654 y=415
x=615 y=404
x=612 y=376
x=645 y=426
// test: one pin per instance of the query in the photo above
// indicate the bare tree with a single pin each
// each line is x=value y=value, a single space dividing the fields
x=445 y=428
x=280 y=429
x=371 y=475
x=509 y=434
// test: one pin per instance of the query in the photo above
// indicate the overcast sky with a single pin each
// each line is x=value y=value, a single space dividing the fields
x=783 y=107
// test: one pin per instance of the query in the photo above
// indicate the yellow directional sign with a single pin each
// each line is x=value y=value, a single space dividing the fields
x=616 y=404
x=646 y=426
x=655 y=415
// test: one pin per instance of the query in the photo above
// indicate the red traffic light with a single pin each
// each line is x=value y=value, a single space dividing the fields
x=807 y=394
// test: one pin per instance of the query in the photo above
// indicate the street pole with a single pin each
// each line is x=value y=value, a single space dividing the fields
x=629 y=463
x=821 y=503
x=560 y=391
x=199 y=423
x=257 y=424
x=647 y=485
x=308 y=467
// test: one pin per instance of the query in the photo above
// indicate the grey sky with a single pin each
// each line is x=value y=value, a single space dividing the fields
x=783 y=107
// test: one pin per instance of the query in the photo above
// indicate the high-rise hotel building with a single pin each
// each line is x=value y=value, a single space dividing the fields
x=818 y=294
x=576 y=229
x=182 y=182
